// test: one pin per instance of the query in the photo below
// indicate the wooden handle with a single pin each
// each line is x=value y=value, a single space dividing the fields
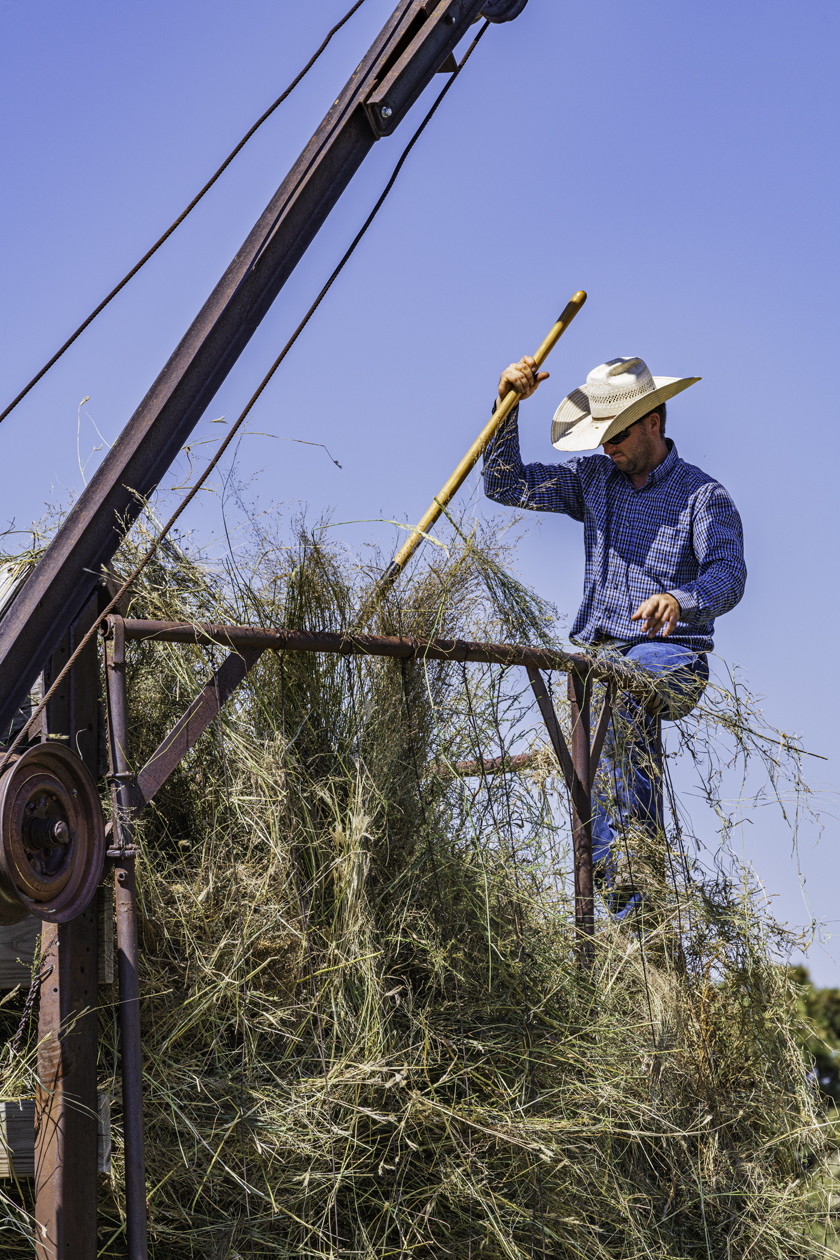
x=459 y=476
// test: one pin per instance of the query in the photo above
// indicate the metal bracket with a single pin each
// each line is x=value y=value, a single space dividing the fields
x=503 y=10
x=430 y=33
x=577 y=792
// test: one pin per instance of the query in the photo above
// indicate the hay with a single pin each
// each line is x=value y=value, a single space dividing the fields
x=365 y=1033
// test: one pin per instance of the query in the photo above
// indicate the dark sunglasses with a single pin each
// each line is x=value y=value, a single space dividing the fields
x=619 y=437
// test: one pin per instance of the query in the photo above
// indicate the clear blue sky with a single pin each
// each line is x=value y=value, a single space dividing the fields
x=678 y=161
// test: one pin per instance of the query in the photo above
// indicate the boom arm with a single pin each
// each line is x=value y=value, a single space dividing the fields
x=412 y=46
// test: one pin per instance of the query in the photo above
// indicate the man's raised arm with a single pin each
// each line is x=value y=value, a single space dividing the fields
x=538 y=487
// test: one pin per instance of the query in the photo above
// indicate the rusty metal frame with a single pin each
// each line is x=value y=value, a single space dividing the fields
x=133 y=792
x=413 y=44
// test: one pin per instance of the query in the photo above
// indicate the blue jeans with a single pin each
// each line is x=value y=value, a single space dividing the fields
x=630 y=759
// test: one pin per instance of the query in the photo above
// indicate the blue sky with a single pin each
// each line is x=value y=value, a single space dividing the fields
x=678 y=161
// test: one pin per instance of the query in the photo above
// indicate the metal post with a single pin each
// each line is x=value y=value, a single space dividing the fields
x=65 y=1109
x=579 y=702
x=126 y=906
x=66 y=1105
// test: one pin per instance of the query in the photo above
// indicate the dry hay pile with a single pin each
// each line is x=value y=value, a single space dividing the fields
x=365 y=1032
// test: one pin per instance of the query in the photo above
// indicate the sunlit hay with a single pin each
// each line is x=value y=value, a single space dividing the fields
x=365 y=1031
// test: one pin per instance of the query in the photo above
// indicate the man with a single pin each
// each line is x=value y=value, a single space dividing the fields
x=664 y=558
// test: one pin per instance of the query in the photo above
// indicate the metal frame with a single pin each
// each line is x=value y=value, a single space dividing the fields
x=133 y=792
x=413 y=45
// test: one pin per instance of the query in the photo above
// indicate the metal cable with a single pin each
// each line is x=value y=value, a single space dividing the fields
x=252 y=401
x=154 y=249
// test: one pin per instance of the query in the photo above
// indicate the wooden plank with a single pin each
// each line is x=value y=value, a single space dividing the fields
x=17 y=950
x=17 y=1137
x=18 y=942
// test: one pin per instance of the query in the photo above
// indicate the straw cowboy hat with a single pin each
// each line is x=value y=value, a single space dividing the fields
x=616 y=395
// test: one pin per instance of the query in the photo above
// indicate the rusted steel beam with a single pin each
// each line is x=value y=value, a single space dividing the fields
x=125 y=891
x=579 y=702
x=488 y=765
x=65 y=1108
x=555 y=734
x=174 y=747
x=601 y=728
x=413 y=44
x=240 y=638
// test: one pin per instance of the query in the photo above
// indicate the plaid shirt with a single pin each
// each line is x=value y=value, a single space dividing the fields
x=680 y=534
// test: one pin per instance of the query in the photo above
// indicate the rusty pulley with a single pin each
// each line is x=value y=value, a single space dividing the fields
x=52 y=836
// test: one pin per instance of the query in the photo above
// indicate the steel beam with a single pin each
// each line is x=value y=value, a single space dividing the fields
x=177 y=743
x=66 y=1104
x=125 y=891
x=567 y=764
x=628 y=678
x=411 y=47
x=579 y=703
x=65 y=1109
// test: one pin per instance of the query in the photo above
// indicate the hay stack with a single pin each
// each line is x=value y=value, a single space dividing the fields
x=364 y=1030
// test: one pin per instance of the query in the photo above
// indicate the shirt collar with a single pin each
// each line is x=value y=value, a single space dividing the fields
x=662 y=471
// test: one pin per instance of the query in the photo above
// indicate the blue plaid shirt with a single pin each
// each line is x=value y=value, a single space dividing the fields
x=680 y=534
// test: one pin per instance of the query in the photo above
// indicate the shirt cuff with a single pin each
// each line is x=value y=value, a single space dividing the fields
x=689 y=608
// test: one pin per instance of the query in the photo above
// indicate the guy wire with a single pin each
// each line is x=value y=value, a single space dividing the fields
x=154 y=249
x=252 y=401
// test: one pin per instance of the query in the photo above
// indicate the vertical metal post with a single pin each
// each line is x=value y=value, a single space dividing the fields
x=66 y=1106
x=131 y=1057
x=579 y=702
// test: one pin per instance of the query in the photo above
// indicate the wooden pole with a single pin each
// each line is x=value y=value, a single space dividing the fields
x=459 y=476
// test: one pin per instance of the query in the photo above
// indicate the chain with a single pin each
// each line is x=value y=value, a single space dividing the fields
x=34 y=990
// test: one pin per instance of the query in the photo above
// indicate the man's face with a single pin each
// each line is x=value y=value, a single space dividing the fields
x=637 y=452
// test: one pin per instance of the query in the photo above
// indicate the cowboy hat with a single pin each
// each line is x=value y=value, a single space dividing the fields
x=616 y=395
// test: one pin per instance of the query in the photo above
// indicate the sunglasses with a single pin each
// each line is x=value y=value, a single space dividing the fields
x=620 y=437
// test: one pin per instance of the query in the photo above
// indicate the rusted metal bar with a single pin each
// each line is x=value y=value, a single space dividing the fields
x=413 y=44
x=241 y=638
x=555 y=734
x=488 y=765
x=579 y=702
x=65 y=1106
x=174 y=747
x=601 y=728
x=125 y=889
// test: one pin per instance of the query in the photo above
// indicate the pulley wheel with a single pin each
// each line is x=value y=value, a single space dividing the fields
x=52 y=836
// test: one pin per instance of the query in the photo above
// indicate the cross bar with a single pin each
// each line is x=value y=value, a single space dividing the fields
x=406 y=648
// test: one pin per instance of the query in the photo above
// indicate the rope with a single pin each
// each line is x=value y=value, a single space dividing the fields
x=154 y=249
x=252 y=401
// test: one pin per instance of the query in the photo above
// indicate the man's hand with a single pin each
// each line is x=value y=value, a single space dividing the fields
x=658 y=612
x=522 y=377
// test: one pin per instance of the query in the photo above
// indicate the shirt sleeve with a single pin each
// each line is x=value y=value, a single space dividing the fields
x=718 y=543
x=538 y=487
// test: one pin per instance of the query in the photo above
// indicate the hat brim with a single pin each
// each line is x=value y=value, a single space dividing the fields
x=574 y=428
